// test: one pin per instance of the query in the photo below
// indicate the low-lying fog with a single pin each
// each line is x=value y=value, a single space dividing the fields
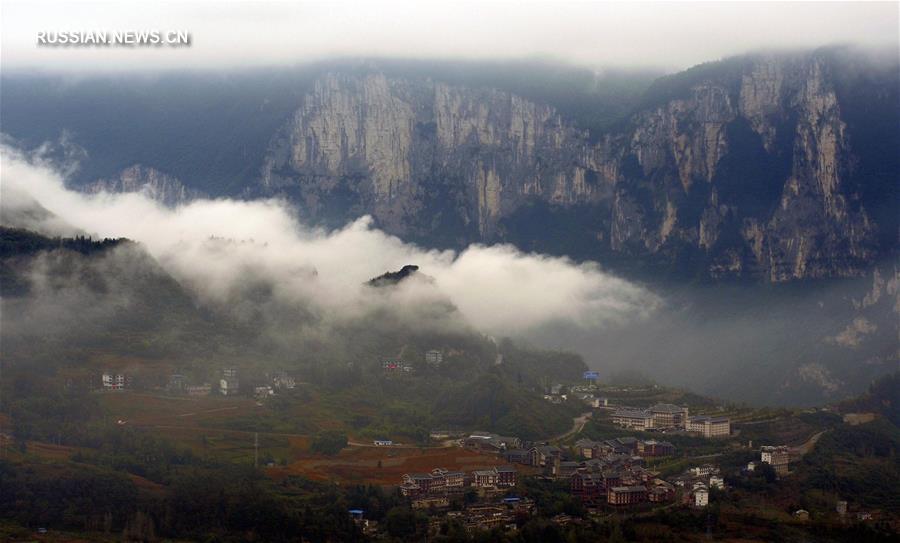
x=754 y=343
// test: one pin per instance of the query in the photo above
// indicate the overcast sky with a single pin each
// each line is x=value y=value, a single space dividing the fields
x=670 y=35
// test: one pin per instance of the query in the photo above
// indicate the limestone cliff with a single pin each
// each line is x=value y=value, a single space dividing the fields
x=747 y=166
x=411 y=152
x=795 y=217
x=153 y=183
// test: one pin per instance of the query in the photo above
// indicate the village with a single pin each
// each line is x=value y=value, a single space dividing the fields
x=625 y=474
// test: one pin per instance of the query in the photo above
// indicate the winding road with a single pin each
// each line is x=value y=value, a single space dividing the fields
x=577 y=426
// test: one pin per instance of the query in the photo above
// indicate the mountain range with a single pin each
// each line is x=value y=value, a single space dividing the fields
x=770 y=167
x=758 y=194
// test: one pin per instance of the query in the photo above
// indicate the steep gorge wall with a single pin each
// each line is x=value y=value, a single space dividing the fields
x=748 y=168
x=393 y=144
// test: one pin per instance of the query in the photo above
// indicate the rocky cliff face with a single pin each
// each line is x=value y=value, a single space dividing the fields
x=753 y=172
x=746 y=168
x=156 y=185
x=420 y=154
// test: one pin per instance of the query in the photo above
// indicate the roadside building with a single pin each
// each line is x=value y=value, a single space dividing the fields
x=778 y=457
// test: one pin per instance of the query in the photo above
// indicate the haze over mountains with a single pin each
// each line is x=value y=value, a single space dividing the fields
x=778 y=170
x=775 y=167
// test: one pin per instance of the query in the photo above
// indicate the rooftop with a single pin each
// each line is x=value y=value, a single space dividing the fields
x=712 y=420
x=629 y=489
x=667 y=408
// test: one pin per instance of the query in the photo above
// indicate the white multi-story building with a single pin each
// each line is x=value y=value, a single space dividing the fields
x=434 y=358
x=709 y=427
x=113 y=381
x=637 y=419
x=701 y=496
x=703 y=471
x=283 y=380
x=666 y=415
x=779 y=457
x=229 y=384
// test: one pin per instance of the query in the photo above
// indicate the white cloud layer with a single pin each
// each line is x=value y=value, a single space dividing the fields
x=672 y=35
x=214 y=246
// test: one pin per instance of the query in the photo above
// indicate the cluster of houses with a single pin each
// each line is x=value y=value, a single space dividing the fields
x=558 y=394
x=697 y=482
x=110 y=381
x=435 y=488
x=178 y=383
x=230 y=385
x=627 y=484
x=487 y=516
x=642 y=447
x=841 y=507
x=665 y=416
x=610 y=472
x=614 y=472
x=395 y=367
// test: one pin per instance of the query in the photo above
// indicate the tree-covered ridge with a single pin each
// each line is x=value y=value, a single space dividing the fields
x=112 y=300
x=19 y=242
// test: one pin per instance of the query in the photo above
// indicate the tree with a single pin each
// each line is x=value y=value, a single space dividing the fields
x=329 y=442
x=402 y=522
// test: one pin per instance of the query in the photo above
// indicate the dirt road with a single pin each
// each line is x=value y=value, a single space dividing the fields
x=807 y=445
x=577 y=426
